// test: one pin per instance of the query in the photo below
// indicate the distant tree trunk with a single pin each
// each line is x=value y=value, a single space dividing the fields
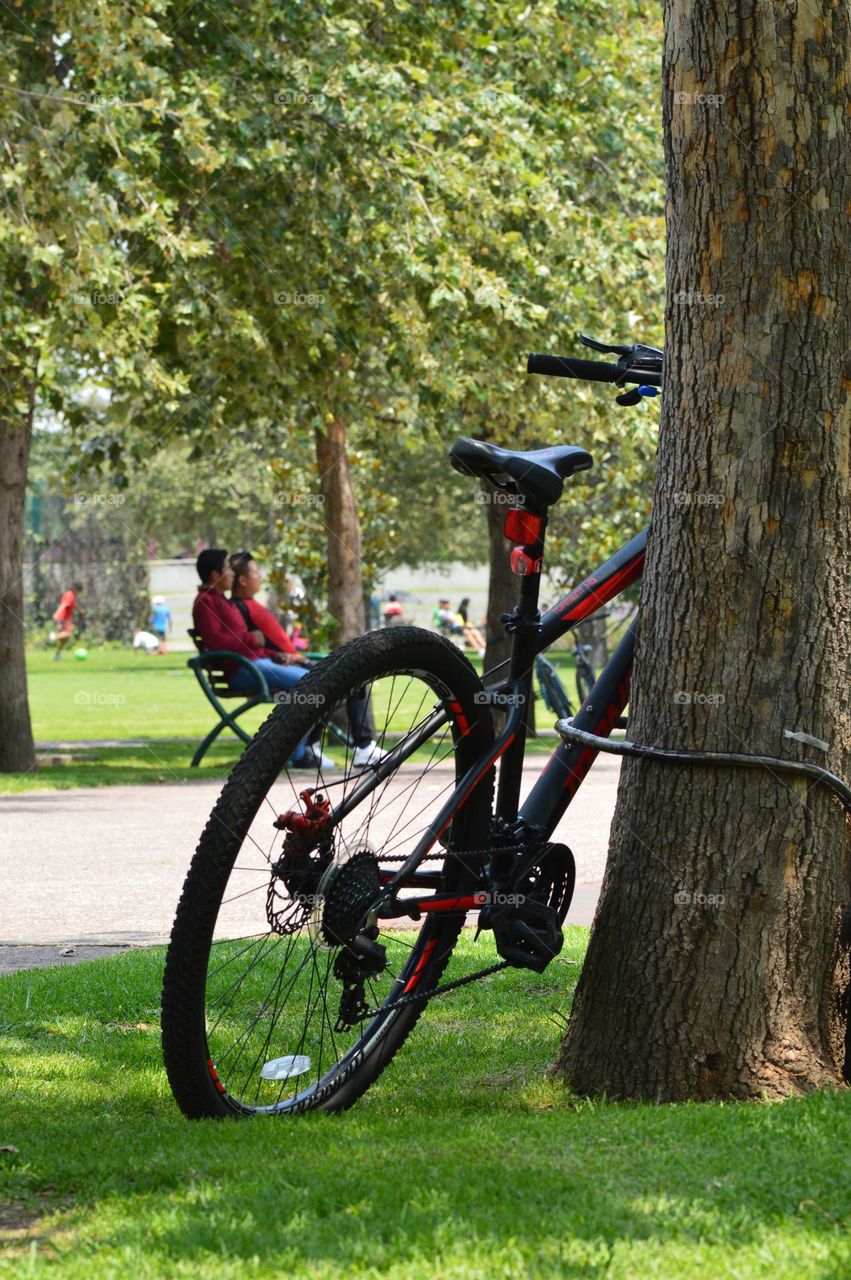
x=340 y=515
x=717 y=965
x=503 y=586
x=17 y=753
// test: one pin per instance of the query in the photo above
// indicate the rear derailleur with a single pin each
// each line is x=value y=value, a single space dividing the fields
x=529 y=885
x=359 y=960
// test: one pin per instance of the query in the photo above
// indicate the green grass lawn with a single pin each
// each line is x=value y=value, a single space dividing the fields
x=463 y=1161
x=118 y=693
x=123 y=695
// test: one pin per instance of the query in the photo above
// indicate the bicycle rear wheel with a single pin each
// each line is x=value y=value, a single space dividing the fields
x=272 y=999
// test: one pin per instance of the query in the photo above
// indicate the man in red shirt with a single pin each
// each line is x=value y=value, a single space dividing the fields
x=221 y=626
x=64 y=615
x=246 y=583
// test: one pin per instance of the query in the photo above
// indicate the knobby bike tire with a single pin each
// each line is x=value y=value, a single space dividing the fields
x=200 y=1085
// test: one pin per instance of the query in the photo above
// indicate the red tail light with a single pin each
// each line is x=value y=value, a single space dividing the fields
x=522 y=564
x=522 y=527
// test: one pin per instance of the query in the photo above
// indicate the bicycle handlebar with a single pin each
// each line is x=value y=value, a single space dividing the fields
x=568 y=367
x=646 y=370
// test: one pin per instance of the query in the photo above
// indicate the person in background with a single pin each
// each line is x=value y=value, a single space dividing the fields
x=471 y=633
x=447 y=621
x=146 y=640
x=392 y=611
x=299 y=639
x=221 y=625
x=161 y=621
x=247 y=581
x=64 y=615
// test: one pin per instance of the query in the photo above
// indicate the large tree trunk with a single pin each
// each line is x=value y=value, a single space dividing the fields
x=17 y=754
x=715 y=960
x=340 y=513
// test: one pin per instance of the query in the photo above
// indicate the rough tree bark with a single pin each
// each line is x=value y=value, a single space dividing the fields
x=340 y=512
x=715 y=964
x=17 y=754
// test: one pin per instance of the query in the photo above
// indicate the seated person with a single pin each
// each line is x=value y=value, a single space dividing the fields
x=471 y=633
x=392 y=611
x=247 y=581
x=447 y=621
x=451 y=623
x=221 y=626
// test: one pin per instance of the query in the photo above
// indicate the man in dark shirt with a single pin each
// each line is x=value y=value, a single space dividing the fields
x=221 y=626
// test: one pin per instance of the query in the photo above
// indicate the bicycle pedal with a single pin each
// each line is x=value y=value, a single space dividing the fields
x=527 y=934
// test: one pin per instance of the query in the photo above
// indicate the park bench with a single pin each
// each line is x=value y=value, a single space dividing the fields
x=207 y=666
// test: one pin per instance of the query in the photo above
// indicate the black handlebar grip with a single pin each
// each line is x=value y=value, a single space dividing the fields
x=567 y=367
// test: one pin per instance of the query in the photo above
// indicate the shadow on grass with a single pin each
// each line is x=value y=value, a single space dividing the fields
x=463 y=1160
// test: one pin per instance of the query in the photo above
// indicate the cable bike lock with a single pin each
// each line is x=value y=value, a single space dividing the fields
x=642 y=751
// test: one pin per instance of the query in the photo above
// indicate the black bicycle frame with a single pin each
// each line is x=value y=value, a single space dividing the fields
x=568 y=765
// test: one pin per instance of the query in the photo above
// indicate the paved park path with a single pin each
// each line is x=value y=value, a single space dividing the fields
x=92 y=871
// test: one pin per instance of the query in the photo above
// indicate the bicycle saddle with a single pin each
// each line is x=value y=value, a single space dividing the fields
x=538 y=474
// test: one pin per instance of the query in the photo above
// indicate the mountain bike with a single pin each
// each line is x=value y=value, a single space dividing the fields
x=321 y=910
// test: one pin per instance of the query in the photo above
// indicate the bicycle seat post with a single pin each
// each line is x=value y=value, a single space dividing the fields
x=526 y=528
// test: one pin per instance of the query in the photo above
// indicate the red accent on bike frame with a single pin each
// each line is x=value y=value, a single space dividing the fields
x=459 y=717
x=214 y=1075
x=467 y=902
x=414 y=979
x=577 y=605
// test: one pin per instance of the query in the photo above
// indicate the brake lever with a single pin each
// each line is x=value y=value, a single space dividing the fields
x=614 y=349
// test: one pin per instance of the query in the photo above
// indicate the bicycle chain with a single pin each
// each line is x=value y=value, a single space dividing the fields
x=446 y=987
x=436 y=991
